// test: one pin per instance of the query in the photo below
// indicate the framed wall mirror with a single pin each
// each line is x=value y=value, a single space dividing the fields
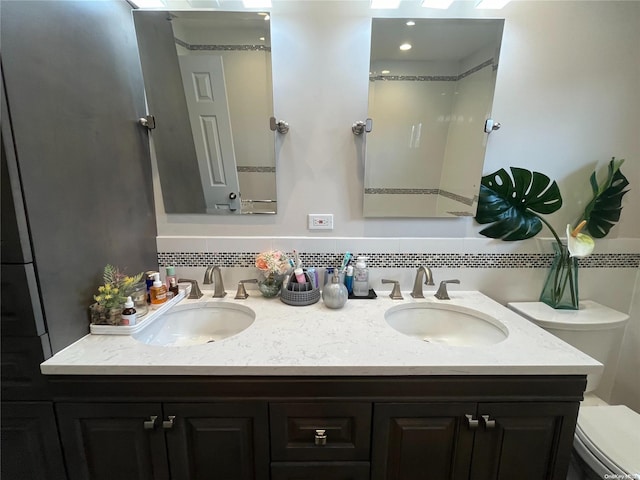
x=430 y=92
x=207 y=78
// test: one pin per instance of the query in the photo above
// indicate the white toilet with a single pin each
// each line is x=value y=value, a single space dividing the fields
x=607 y=439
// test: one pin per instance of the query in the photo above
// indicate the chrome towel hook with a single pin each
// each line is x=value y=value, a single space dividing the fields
x=360 y=127
x=490 y=125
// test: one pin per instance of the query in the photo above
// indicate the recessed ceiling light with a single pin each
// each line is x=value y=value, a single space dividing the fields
x=442 y=4
x=495 y=4
x=405 y=46
x=261 y=39
x=385 y=3
x=384 y=72
x=410 y=23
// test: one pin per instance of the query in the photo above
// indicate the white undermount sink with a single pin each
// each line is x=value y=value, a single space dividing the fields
x=197 y=324
x=446 y=324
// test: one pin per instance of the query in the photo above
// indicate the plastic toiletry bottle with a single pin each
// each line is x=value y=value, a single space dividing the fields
x=299 y=273
x=334 y=294
x=361 y=278
x=173 y=287
x=158 y=291
x=348 y=279
x=128 y=313
x=313 y=276
x=171 y=274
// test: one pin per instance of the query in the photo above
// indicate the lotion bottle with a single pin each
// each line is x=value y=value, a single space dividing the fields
x=361 y=278
x=158 y=291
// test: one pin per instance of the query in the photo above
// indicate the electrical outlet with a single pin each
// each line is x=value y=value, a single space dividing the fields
x=320 y=221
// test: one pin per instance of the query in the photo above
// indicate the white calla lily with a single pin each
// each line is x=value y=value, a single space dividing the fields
x=579 y=244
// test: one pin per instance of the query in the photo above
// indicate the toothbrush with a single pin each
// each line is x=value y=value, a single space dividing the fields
x=345 y=261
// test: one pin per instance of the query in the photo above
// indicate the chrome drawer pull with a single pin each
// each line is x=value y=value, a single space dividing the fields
x=471 y=422
x=167 y=424
x=151 y=423
x=489 y=424
x=321 y=438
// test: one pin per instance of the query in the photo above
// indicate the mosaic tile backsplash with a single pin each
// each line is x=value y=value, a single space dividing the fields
x=404 y=260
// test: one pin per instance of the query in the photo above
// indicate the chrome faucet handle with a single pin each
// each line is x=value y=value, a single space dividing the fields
x=241 y=293
x=195 y=290
x=395 y=293
x=442 y=293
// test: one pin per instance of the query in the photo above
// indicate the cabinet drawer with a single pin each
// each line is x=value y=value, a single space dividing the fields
x=320 y=471
x=296 y=426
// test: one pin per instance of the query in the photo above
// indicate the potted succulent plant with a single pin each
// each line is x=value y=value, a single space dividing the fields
x=513 y=206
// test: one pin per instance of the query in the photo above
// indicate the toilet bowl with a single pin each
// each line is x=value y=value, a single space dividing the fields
x=607 y=436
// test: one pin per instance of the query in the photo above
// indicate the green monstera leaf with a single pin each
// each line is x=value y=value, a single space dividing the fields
x=603 y=212
x=512 y=205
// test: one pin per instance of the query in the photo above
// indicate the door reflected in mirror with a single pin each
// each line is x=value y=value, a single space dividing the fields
x=430 y=92
x=208 y=84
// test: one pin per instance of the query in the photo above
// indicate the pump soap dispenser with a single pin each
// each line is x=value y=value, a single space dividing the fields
x=361 y=278
x=334 y=294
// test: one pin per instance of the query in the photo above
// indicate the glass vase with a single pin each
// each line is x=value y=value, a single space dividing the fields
x=101 y=315
x=270 y=285
x=561 y=286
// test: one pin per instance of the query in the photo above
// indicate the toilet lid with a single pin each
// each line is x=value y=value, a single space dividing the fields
x=590 y=316
x=612 y=434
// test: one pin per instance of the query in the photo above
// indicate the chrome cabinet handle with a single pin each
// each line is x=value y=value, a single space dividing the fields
x=151 y=423
x=489 y=424
x=472 y=423
x=321 y=438
x=167 y=424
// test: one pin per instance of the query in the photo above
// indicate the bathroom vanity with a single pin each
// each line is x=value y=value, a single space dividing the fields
x=308 y=392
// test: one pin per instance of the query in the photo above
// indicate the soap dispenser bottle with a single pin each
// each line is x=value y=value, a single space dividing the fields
x=361 y=278
x=158 y=291
x=334 y=294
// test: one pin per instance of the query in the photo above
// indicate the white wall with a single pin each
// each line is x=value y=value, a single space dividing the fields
x=566 y=95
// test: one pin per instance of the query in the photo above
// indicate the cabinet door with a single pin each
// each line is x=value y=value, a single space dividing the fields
x=30 y=445
x=320 y=471
x=418 y=441
x=218 y=441
x=527 y=441
x=113 y=441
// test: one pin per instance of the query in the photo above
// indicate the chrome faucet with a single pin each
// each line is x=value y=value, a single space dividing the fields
x=423 y=272
x=213 y=275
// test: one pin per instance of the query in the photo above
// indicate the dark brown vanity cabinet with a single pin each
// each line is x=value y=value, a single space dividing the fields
x=452 y=441
x=317 y=428
x=154 y=441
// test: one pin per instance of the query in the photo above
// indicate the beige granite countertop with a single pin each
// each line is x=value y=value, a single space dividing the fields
x=315 y=340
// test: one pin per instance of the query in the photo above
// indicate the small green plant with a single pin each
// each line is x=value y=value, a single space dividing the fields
x=117 y=286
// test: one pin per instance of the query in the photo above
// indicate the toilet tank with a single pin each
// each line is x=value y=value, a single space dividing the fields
x=594 y=329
